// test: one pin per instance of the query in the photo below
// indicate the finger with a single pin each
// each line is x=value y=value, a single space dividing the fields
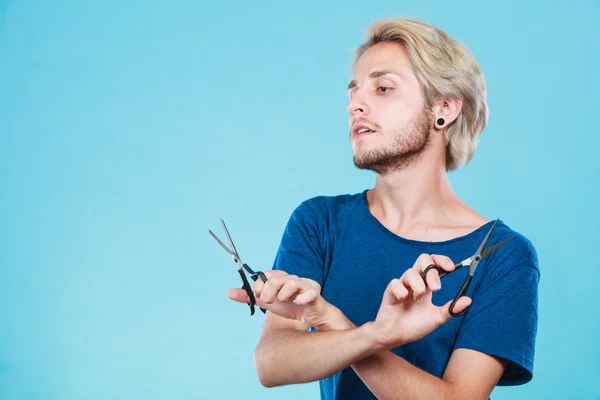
x=388 y=295
x=289 y=289
x=461 y=304
x=259 y=284
x=398 y=290
x=272 y=287
x=275 y=272
x=307 y=297
x=423 y=261
x=433 y=279
x=412 y=280
x=443 y=261
x=238 y=295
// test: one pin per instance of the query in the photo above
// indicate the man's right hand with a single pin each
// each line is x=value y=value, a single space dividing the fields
x=287 y=296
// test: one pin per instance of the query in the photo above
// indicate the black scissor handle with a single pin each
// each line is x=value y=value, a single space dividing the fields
x=262 y=276
x=461 y=293
x=442 y=272
x=254 y=276
x=248 y=289
x=259 y=274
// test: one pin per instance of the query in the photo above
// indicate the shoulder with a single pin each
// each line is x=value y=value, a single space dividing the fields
x=520 y=249
x=517 y=253
x=324 y=207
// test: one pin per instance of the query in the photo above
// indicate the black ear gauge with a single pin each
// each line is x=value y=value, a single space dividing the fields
x=440 y=122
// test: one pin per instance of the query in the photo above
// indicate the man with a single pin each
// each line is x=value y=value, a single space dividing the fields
x=346 y=303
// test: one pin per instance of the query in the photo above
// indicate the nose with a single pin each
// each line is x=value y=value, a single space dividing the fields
x=357 y=106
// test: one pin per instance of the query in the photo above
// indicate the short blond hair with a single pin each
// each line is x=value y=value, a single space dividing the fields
x=445 y=67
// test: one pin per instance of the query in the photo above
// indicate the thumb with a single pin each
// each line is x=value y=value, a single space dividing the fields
x=238 y=295
x=461 y=304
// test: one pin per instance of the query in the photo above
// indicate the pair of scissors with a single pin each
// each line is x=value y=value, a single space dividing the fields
x=472 y=262
x=242 y=267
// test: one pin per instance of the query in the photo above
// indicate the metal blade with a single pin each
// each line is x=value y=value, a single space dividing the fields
x=487 y=251
x=229 y=239
x=221 y=243
x=477 y=257
x=464 y=263
x=485 y=241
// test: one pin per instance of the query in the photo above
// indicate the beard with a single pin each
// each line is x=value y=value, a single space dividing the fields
x=406 y=147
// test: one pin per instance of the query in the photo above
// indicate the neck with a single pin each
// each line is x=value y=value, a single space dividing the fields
x=419 y=202
x=416 y=193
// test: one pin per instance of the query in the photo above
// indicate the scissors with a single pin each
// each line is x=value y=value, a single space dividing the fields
x=472 y=262
x=241 y=267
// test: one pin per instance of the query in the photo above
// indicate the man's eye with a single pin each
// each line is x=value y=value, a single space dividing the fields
x=383 y=89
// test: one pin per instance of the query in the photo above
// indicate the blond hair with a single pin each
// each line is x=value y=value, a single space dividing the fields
x=444 y=67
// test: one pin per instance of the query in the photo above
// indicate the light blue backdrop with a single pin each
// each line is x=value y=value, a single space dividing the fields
x=128 y=128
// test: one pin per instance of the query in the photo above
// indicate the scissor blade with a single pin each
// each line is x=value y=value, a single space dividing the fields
x=229 y=238
x=485 y=241
x=487 y=251
x=221 y=243
x=478 y=256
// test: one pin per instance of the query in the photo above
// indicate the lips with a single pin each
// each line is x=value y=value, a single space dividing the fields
x=361 y=129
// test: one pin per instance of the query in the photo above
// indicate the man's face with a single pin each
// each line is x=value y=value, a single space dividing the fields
x=386 y=99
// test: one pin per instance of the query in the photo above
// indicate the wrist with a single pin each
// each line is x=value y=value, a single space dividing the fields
x=334 y=320
x=372 y=337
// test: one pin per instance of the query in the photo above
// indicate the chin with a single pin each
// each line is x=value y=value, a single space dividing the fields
x=367 y=159
x=384 y=160
x=365 y=144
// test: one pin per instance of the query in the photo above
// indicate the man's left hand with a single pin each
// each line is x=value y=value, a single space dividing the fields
x=406 y=313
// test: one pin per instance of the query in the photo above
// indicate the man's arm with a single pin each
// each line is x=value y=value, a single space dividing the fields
x=500 y=327
x=469 y=375
x=287 y=353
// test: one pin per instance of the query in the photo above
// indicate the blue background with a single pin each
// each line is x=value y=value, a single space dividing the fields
x=127 y=129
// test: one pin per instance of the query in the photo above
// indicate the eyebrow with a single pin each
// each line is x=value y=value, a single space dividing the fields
x=373 y=75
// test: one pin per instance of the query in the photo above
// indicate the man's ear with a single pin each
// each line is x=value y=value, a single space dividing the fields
x=446 y=111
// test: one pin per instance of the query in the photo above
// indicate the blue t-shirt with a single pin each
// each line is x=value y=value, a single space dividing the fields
x=336 y=241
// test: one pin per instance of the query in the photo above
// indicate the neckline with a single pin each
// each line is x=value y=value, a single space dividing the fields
x=365 y=207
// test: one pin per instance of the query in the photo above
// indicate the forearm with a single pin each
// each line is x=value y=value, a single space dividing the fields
x=390 y=377
x=288 y=356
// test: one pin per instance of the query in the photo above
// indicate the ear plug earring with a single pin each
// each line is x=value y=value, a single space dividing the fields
x=440 y=122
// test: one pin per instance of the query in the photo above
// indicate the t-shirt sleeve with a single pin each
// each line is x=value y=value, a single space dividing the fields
x=300 y=251
x=503 y=317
